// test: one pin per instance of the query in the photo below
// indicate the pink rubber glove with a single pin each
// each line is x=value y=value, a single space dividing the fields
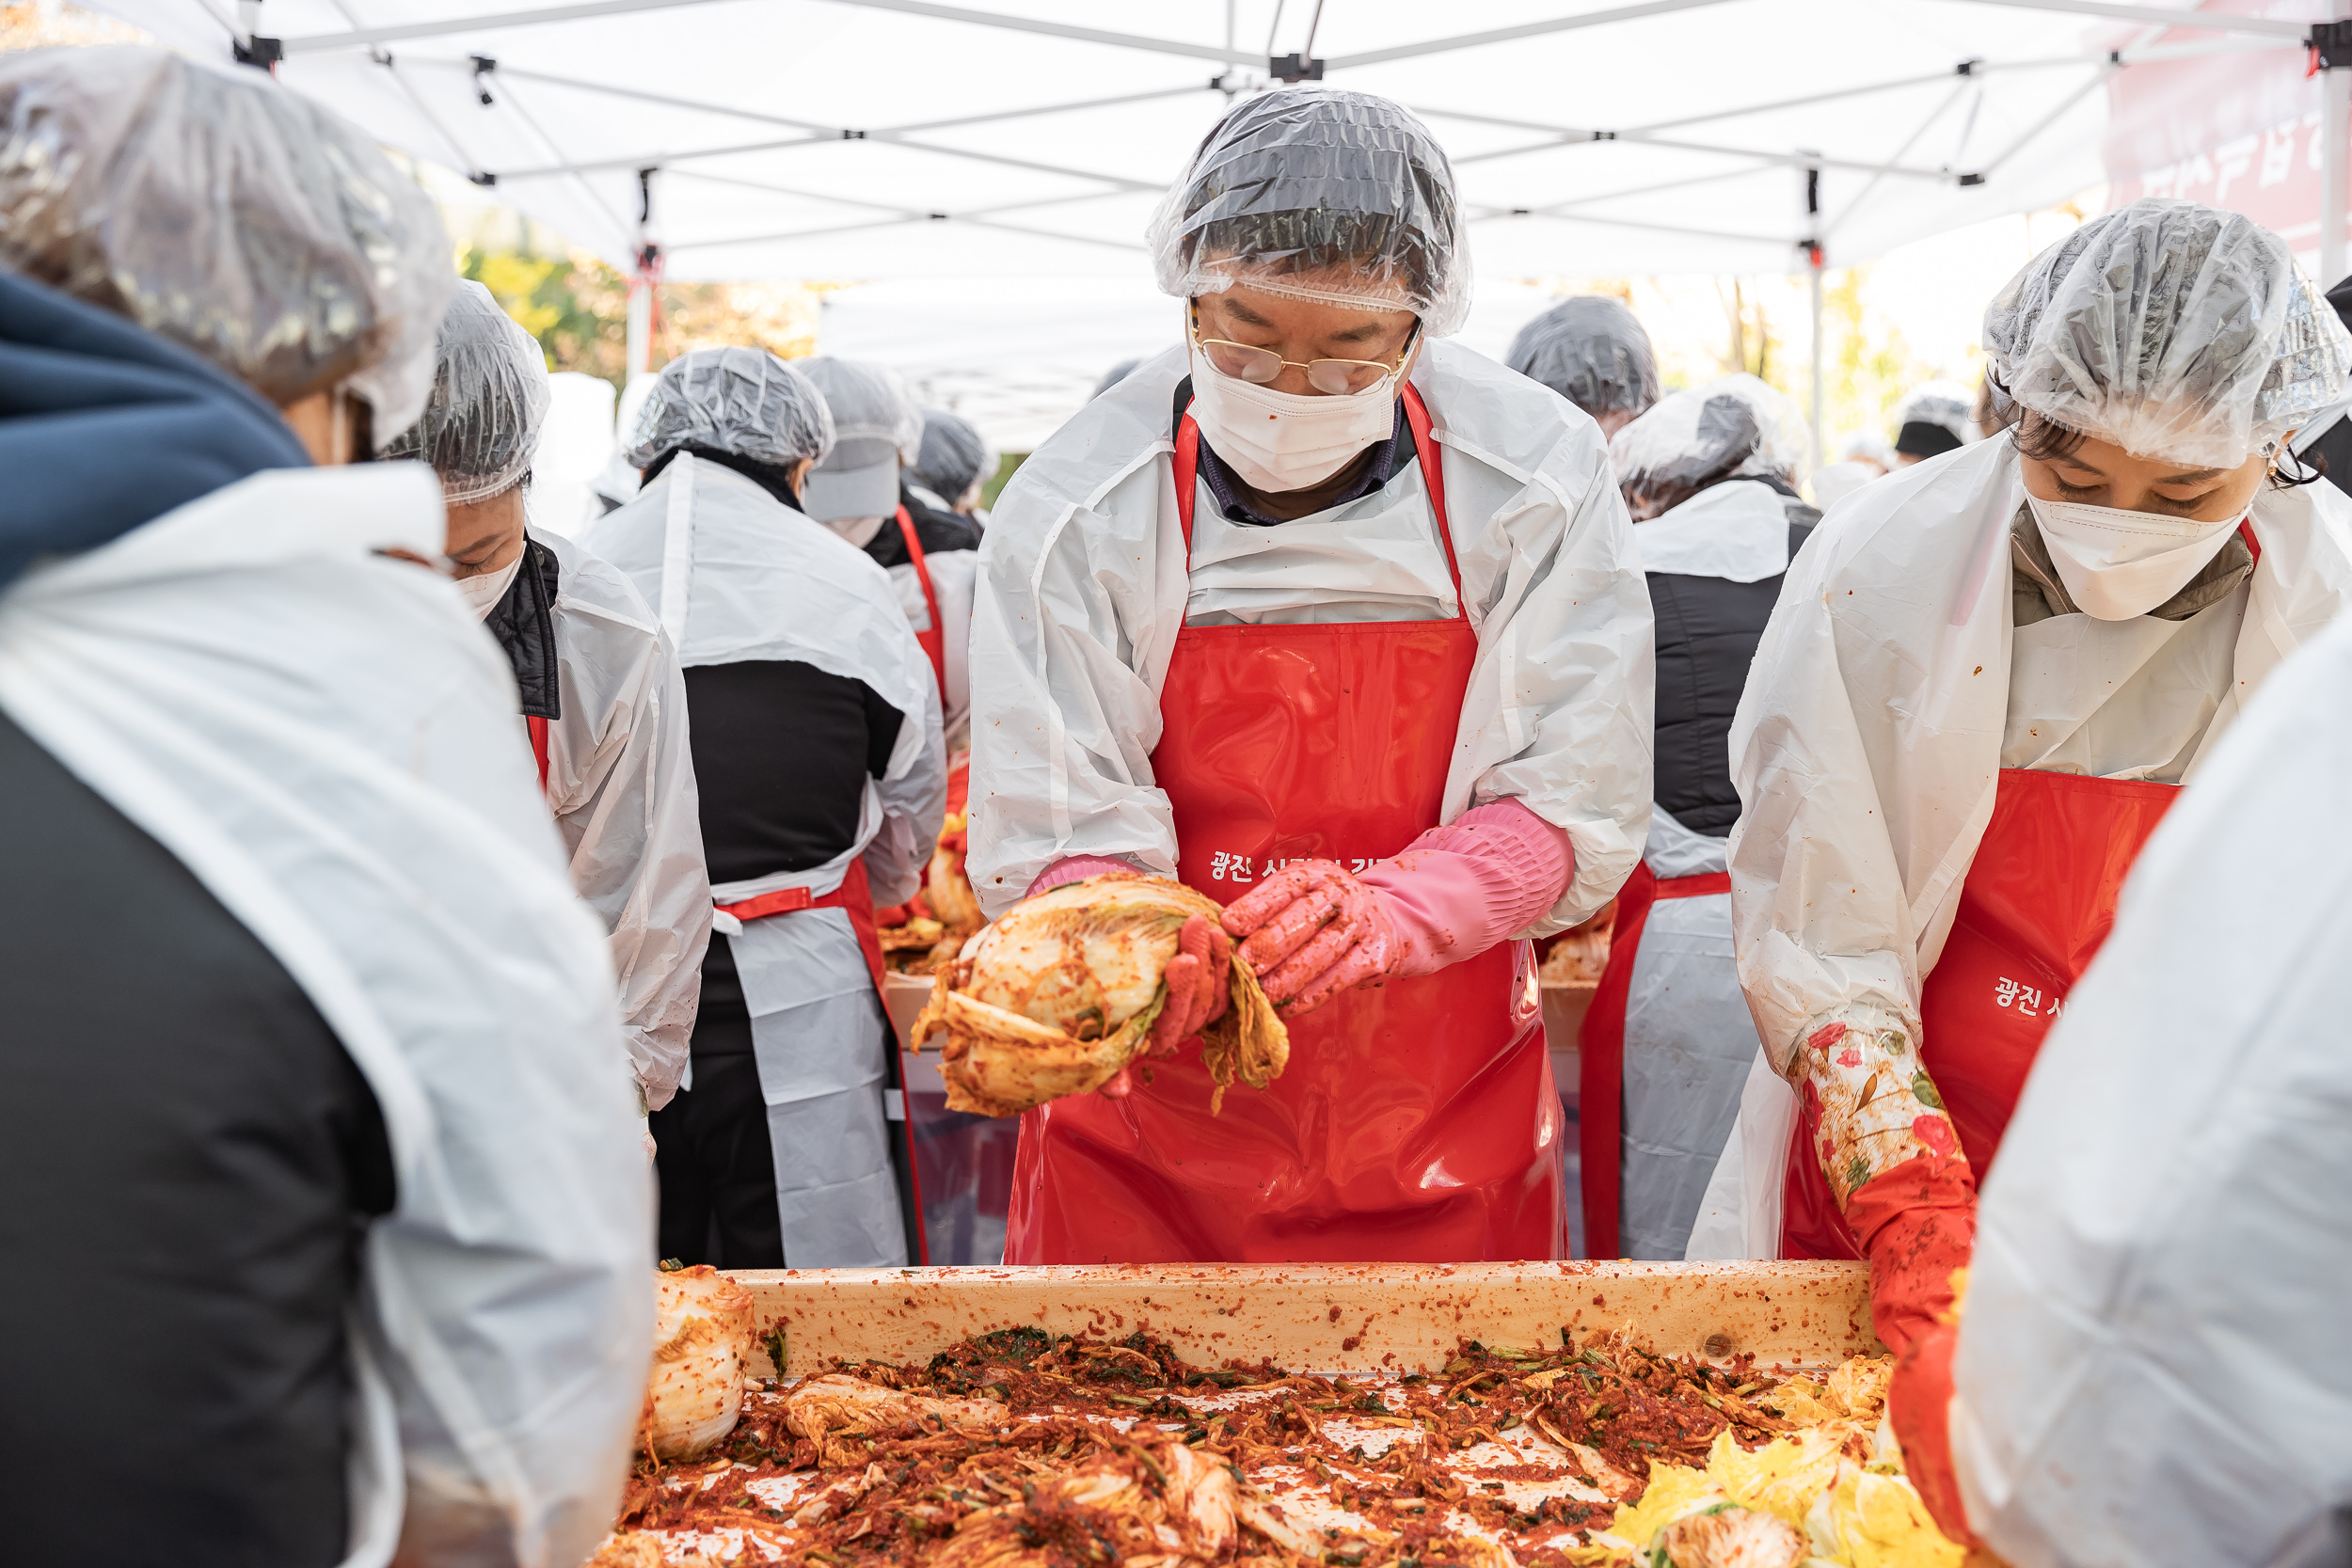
x=1074 y=868
x=1312 y=930
x=1199 y=985
x=1456 y=891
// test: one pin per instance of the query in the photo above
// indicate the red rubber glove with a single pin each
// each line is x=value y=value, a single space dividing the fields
x=1199 y=986
x=1919 y=1407
x=1312 y=931
x=1916 y=1223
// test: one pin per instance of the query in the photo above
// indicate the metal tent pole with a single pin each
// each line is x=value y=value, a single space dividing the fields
x=1819 y=401
x=2333 y=49
x=1811 y=245
x=642 y=282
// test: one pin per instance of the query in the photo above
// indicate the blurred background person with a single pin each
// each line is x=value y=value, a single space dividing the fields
x=1593 y=351
x=953 y=467
x=1861 y=458
x=2146 y=1367
x=602 y=700
x=1932 y=419
x=861 y=492
x=815 y=722
x=313 y=1047
x=1115 y=375
x=2326 y=442
x=1669 y=1060
x=1981 y=691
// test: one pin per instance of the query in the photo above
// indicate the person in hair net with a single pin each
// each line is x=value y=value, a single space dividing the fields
x=1342 y=626
x=1933 y=419
x=1674 y=1084
x=324 y=1190
x=860 y=492
x=1861 y=458
x=1592 y=351
x=953 y=467
x=815 y=721
x=2147 y=1366
x=602 y=700
x=1984 y=686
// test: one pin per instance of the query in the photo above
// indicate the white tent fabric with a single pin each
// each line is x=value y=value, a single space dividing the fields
x=986 y=169
x=890 y=138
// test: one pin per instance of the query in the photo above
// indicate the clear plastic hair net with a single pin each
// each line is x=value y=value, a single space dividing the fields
x=954 y=458
x=1946 y=405
x=1592 y=351
x=2174 y=330
x=490 y=396
x=1340 y=198
x=226 y=214
x=1732 y=427
x=742 y=401
x=870 y=405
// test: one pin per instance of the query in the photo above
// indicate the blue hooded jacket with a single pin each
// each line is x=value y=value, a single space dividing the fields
x=104 y=426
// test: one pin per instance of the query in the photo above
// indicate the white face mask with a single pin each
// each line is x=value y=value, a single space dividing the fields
x=2117 y=563
x=1279 y=441
x=857 y=530
x=485 y=590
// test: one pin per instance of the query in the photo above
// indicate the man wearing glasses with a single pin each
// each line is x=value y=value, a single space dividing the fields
x=1341 y=625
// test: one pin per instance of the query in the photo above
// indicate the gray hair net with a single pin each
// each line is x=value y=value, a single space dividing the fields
x=1341 y=197
x=1946 y=404
x=226 y=214
x=1732 y=427
x=871 y=407
x=2174 y=330
x=954 y=458
x=745 y=402
x=1592 y=351
x=490 y=396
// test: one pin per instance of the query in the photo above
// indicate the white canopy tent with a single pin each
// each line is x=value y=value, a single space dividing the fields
x=1001 y=159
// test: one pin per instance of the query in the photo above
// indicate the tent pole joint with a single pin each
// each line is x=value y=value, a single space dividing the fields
x=1293 y=68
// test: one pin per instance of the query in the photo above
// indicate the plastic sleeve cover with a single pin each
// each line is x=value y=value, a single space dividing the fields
x=913 y=796
x=621 y=783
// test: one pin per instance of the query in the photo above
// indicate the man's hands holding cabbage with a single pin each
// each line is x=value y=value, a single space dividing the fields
x=1071 y=985
x=1087 y=976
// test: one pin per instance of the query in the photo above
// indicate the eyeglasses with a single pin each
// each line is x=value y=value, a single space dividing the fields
x=1332 y=378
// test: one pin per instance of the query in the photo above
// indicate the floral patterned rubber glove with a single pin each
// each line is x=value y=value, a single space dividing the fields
x=1896 y=1167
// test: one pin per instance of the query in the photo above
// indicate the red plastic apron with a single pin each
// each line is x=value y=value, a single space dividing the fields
x=934 y=641
x=855 y=897
x=1600 y=1051
x=1417 y=1121
x=2038 y=901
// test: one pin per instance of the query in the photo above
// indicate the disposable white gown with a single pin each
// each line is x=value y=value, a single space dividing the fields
x=1083 y=588
x=327 y=741
x=738 y=575
x=1869 y=742
x=2151 y=1365
x=1697 y=1090
x=621 y=783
